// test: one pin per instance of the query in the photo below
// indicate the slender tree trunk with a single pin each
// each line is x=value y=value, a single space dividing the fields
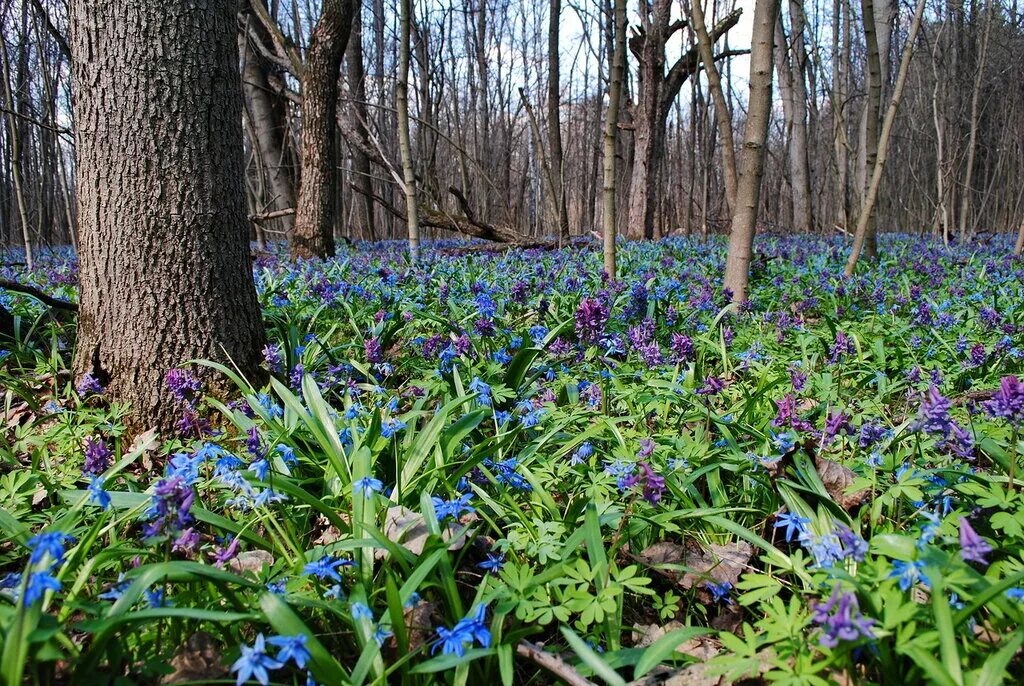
x=269 y=123
x=799 y=161
x=361 y=117
x=966 y=204
x=1018 y=249
x=14 y=139
x=723 y=116
x=872 y=117
x=402 y=105
x=611 y=132
x=865 y=219
x=556 y=157
x=165 y=274
x=751 y=162
x=314 y=216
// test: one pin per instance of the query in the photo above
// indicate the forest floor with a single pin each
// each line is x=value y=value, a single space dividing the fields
x=500 y=467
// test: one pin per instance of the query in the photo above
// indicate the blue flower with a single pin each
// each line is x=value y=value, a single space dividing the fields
x=326 y=568
x=291 y=648
x=909 y=573
x=368 y=486
x=361 y=611
x=254 y=663
x=454 y=641
x=38 y=584
x=48 y=543
x=794 y=524
x=381 y=634
x=452 y=509
x=719 y=592
x=96 y=493
x=493 y=563
x=391 y=427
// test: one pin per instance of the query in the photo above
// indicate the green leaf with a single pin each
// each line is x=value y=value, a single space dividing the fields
x=664 y=647
x=592 y=659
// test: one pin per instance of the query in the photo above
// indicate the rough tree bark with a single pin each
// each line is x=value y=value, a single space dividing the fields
x=791 y=64
x=269 y=119
x=657 y=90
x=360 y=117
x=314 y=215
x=165 y=273
x=751 y=163
x=611 y=132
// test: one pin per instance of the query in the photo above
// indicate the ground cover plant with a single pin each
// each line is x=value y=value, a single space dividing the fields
x=503 y=467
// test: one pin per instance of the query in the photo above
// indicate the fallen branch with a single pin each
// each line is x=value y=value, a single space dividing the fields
x=467 y=225
x=267 y=216
x=55 y=303
x=552 y=663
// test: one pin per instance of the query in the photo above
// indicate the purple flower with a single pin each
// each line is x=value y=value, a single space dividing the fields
x=1008 y=401
x=373 y=350
x=712 y=386
x=933 y=415
x=97 y=456
x=88 y=384
x=224 y=555
x=170 y=508
x=836 y=423
x=682 y=348
x=182 y=384
x=591 y=317
x=973 y=547
x=841 y=620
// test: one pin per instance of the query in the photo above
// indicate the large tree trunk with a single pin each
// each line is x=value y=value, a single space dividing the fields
x=165 y=272
x=873 y=113
x=751 y=163
x=799 y=162
x=268 y=114
x=314 y=216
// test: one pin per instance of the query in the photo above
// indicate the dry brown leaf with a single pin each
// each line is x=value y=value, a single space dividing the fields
x=718 y=563
x=419 y=624
x=837 y=480
x=198 y=660
x=408 y=528
x=646 y=634
x=251 y=561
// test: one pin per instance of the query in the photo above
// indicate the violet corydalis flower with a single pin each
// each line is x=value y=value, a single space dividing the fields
x=591 y=317
x=841 y=620
x=97 y=456
x=1008 y=401
x=973 y=547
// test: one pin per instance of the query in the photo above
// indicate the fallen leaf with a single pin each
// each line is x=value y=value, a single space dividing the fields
x=837 y=480
x=408 y=528
x=198 y=660
x=251 y=561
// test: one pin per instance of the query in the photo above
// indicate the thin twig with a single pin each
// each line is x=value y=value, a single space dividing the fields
x=553 y=663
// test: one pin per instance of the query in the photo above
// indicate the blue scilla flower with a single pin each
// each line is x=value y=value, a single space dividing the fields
x=38 y=584
x=97 y=495
x=793 y=523
x=391 y=427
x=452 y=509
x=255 y=663
x=368 y=486
x=467 y=631
x=48 y=543
x=361 y=611
x=326 y=568
x=908 y=573
x=291 y=648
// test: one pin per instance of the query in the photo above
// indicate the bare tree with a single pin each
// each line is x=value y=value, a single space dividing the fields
x=315 y=214
x=402 y=104
x=556 y=156
x=723 y=116
x=611 y=132
x=865 y=224
x=751 y=163
x=165 y=275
